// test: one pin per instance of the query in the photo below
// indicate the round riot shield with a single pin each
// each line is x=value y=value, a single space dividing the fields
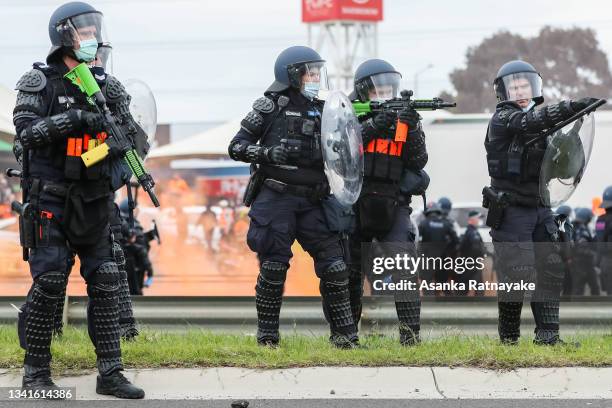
x=143 y=107
x=565 y=159
x=342 y=148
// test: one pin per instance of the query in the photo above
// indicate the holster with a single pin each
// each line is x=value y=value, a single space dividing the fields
x=496 y=203
x=254 y=185
x=27 y=223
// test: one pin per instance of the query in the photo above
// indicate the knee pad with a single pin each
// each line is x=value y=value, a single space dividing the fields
x=336 y=272
x=118 y=255
x=273 y=272
x=52 y=284
x=105 y=282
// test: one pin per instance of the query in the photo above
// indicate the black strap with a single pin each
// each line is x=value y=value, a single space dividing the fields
x=130 y=204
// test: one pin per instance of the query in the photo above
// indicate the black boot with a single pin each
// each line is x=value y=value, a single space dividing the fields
x=117 y=385
x=38 y=379
x=343 y=341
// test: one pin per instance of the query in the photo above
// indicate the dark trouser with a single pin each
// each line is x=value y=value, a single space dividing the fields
x=126 y=313
x=584 y=273
x=527 y=248
x=399 y=240
x=606 y=274
x=49 y=266
x=277 y=220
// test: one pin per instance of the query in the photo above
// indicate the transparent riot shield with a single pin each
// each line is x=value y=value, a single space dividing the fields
x=342 y=148
x=143 y=107
x=565 y=159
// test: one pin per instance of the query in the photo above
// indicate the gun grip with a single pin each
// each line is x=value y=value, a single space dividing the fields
x=95 y=155
x=401 y=131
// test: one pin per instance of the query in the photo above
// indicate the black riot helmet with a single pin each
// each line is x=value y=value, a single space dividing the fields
x=295 y=62
x=375 y=79
x=564 y=210
x=72 y=23
x=445 y=204
x=607 y=198
x=583 y=215
x=433 y=208
x=518 y=80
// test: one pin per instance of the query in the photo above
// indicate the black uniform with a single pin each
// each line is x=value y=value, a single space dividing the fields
x=583 y=261
x=288 y=207
x=440 y=239
x=514 y=171
x=72 y=211
x=603 y=231
x=137 y=262
x=471 y=246
x=383 y=213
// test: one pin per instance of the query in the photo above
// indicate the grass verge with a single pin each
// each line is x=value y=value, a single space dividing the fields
x=196 y=348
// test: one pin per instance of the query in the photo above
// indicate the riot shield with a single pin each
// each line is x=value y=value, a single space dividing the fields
x=143 y=107
x=342 y=148
x=565 y=159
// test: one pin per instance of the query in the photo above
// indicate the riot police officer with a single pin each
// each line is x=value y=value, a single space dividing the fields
x=127 y=322
x=136 y=247
x=584 y=254
x=439 y=239
x=281 y=137
x=471 y=246
x=517 y=211
x=566 y=238
x=383 y=208
x=603 y=233
x=70 y=202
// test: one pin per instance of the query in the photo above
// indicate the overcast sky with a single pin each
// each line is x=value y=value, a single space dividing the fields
x=208 y=60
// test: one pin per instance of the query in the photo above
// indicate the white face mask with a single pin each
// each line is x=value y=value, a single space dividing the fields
x=311 y=89
x=528 y=107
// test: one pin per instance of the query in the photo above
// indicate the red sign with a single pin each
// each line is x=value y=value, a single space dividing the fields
x=354 y=10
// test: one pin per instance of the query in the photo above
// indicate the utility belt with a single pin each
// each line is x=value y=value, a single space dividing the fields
x=313 y=193
x=497 y=202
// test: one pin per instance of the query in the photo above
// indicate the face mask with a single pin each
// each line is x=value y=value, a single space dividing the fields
x=88 y=50
x=311 y=89
x=531 y=105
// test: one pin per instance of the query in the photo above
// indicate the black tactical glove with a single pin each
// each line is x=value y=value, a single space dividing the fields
x=582 y=103
x=91 y=121
x=260 y=154
x=384 y=120
x=410 y=117
x=278 y=155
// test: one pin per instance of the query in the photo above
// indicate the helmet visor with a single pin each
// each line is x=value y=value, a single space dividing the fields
x=520 y=87
x=382 y=87
x=104 y=58
x=85 y=27
x=309 y=77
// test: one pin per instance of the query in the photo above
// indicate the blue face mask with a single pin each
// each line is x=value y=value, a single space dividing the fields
x=311 y=89
x=88 y=50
